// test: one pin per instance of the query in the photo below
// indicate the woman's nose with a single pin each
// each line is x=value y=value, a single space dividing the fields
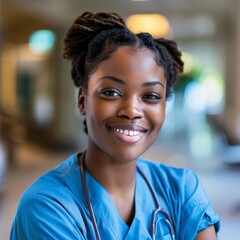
x=130 y=108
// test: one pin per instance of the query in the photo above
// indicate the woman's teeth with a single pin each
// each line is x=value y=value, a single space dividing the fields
x=127 y=132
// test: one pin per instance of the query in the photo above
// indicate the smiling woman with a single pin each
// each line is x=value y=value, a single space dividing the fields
x=108 y=191
x=130 y=87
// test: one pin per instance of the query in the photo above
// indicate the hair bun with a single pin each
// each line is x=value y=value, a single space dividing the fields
x=85 y=28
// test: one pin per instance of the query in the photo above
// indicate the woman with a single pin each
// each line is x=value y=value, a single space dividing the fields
x=108 y=191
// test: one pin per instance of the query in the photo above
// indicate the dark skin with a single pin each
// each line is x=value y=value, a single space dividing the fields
x=128 y=103
x=125 y=109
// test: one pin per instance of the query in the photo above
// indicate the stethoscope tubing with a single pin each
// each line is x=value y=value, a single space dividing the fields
x=159 y=209
x=94 y=222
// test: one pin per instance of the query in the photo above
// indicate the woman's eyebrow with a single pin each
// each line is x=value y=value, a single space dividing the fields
x=118 y=80
x=147 y=84
x=113 y=79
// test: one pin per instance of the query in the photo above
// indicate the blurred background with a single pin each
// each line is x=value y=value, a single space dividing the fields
x=39 y=122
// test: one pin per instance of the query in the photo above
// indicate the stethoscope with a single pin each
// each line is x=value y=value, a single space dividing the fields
x=158 y=209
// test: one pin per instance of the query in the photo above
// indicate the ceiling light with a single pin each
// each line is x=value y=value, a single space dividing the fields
x=42 y=41
x=155 y=24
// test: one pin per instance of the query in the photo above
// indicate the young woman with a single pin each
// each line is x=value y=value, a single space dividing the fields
x=108 y=191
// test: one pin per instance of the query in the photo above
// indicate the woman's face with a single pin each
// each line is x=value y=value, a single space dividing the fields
x=124 y=104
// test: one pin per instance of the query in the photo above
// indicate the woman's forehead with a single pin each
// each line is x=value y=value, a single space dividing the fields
x=129 y=63
x=124 y=52
x=125 y=49
x=125 y=57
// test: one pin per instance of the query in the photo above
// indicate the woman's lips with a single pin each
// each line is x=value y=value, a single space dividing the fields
x=128 y=134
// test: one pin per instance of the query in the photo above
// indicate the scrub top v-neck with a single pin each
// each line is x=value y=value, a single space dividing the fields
x=110 y=223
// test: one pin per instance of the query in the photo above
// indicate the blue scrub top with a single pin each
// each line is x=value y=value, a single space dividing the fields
x=54 y=207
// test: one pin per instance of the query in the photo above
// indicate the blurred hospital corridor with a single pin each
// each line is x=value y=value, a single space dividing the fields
x=40 y=125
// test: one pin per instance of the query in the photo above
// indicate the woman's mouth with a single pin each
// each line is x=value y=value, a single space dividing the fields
x=128 y=134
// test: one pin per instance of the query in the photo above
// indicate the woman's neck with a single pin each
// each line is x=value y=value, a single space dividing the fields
x=119 y=180
x=117 y=177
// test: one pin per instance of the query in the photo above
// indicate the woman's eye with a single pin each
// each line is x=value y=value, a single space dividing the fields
x=152 y=97
x=110 y=93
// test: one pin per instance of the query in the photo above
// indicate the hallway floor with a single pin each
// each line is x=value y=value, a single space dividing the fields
x=221 y=182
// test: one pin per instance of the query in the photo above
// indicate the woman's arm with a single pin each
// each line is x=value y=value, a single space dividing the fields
x=207 y=234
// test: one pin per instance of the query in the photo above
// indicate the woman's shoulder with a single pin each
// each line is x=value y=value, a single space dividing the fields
x=54 y=182
x=184 y=195
x=157 y=169
x=178 y=182
x=51 y=205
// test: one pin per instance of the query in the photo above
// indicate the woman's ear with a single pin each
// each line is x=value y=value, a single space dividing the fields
x=81 y=101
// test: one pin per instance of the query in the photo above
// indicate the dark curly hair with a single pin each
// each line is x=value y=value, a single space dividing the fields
x=93 y=37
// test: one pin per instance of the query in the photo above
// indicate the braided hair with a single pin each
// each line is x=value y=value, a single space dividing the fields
x=93 y=37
